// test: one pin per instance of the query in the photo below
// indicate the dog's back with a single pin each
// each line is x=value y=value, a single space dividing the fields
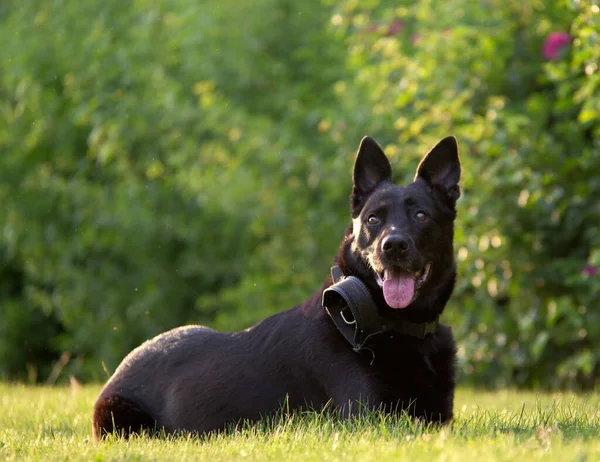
x=195 y=379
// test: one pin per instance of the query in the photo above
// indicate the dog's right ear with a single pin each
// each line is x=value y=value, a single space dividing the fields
x=371 y=167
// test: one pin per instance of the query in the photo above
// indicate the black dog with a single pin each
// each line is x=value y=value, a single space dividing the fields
x=368 y=339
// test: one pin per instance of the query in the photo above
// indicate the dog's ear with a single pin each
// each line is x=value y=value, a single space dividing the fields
x=440 y=168
x=371 y=167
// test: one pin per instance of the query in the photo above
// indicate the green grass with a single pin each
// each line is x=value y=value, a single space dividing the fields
x=54 y=424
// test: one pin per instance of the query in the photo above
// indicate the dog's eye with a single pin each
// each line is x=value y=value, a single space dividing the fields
x=372 y=220
x=421 y=216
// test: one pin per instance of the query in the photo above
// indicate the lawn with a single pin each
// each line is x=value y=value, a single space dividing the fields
x=54 y=424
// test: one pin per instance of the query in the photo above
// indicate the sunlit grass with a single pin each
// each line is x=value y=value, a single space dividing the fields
x=55 y=424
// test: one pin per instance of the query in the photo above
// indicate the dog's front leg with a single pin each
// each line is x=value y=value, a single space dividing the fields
x=439 y=407
x=354 y=398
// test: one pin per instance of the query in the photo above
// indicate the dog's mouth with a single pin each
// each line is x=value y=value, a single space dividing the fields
x=400 y=286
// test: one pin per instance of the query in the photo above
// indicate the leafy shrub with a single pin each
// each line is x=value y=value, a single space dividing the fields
x=143 y=177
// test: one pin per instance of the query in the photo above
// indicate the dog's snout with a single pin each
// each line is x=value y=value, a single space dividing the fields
x=394 y=244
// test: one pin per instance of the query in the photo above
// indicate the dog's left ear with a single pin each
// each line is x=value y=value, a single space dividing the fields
x=440 y=168
x=371 y=168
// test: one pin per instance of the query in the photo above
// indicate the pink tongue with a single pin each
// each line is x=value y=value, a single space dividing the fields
x=399 y=290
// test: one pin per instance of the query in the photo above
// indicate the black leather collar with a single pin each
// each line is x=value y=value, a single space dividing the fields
x=353 y=311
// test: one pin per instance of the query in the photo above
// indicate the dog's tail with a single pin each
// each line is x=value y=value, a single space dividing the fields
x=117 y=415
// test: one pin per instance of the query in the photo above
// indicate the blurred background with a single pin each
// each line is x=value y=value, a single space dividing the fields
x=165 y=162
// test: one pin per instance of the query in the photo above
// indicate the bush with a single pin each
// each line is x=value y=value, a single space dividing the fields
x=144 y=180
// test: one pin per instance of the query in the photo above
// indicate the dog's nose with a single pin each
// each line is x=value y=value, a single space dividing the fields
x=394 y=244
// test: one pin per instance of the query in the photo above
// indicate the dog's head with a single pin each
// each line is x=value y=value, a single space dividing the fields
x=400 y=240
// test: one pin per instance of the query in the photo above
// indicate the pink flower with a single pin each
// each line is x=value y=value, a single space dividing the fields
x=555 y=42
x=589 y=270
x=395 y=27
x=371 y=28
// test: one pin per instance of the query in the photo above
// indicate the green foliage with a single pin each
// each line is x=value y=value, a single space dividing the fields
x=172 y=162
x=143 y=179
